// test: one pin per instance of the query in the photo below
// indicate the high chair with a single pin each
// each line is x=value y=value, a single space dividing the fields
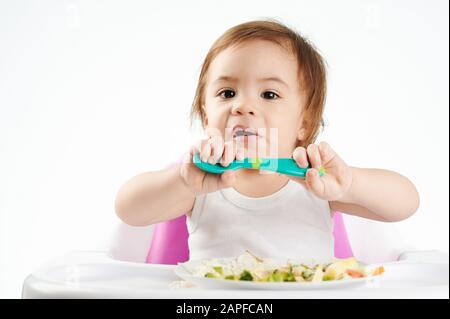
x=141 y=260
x=140 y=264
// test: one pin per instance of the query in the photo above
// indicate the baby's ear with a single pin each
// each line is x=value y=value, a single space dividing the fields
x=301 y=134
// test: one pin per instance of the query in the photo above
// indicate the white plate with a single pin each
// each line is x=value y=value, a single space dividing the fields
x=182 y=271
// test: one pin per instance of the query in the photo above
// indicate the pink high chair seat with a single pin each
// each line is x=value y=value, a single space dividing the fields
x=170 y=241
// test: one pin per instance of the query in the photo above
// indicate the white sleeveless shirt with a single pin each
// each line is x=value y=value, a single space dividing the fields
x=290 y=223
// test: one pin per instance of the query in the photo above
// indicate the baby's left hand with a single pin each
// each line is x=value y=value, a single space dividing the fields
x=337 y=179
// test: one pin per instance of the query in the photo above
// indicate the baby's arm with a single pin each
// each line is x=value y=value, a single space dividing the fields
x=378 y=194
x=366 y=192
x=153 y=197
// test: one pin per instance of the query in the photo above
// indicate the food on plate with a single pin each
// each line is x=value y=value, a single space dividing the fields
x=248 y=267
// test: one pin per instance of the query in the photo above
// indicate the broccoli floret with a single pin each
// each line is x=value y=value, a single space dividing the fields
x=246 y=275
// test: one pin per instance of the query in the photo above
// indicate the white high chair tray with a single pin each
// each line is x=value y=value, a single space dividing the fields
x=96 y=275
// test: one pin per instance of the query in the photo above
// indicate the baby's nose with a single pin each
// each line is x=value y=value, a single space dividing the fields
x=242 y=109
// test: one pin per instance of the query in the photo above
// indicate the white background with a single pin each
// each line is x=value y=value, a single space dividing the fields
x=94 y=92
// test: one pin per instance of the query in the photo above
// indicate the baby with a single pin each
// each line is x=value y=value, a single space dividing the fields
x=261 y=93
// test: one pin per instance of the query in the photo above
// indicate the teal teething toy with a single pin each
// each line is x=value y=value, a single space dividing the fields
x=281 y=165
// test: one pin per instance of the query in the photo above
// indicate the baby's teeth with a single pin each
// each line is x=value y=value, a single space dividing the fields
x=244 y=133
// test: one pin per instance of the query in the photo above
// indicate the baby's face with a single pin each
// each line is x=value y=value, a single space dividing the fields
x=255 y=85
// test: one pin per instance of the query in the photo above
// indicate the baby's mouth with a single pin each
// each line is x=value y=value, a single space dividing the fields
x=251 y=139
x=243 y=133
x=239 y=131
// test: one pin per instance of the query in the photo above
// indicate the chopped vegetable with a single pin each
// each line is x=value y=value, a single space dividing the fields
x=248 y=267
x=354 y=273
x=218 y=270
x=246 y=275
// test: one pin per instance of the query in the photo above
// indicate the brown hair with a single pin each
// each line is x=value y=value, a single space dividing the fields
x=311 y=66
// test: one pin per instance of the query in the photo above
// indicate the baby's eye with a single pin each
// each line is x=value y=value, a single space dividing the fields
x=227 y=94
x=270 y=95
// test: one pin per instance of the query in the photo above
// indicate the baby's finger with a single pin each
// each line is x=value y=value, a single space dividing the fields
x=205 y=151
x=228 y=153
x=326 y=152
x=216 y=149
x=239 y=149
x=240 y=153
x=188 y=158
x=300 y=157
x=198 y=145
x=314 y=182
x=314 y=156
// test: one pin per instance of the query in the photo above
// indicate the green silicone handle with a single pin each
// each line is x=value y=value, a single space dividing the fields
x=281 y=165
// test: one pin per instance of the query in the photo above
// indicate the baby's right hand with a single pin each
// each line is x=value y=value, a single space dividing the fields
x=213 y=150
